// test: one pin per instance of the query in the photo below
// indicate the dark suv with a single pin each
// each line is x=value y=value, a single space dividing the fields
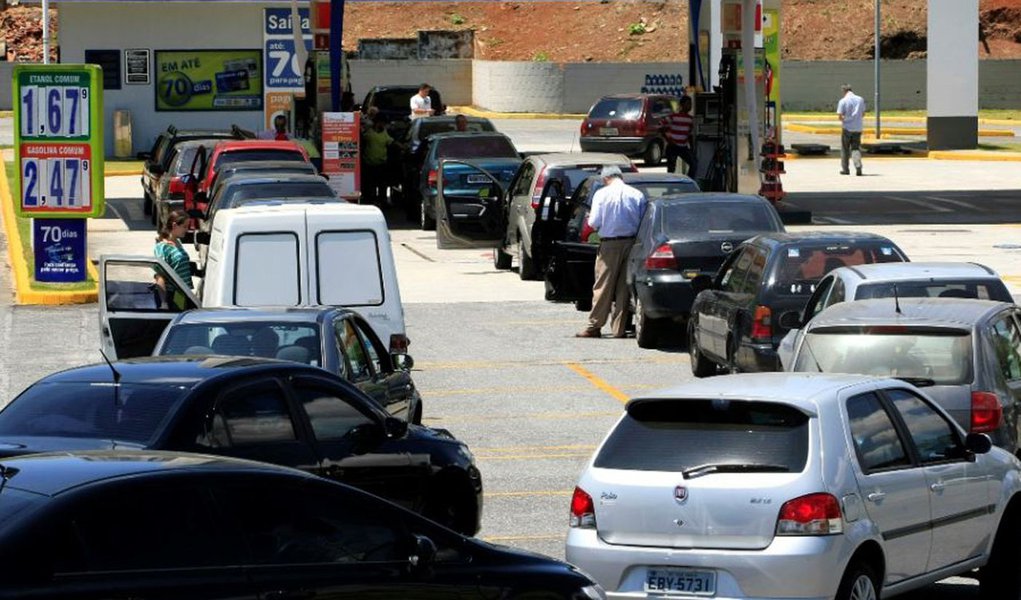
x=732 y=324
x=394 y=101
x=628 y=124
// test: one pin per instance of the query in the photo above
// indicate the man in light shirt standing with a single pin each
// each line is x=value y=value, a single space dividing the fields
x=421 y=103
x=851 y=111
x=616 y=213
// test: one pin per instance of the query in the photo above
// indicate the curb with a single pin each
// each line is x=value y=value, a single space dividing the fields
x=471 y=111
x=833 y=130
x=23 y=292
x=107 y=173
x=967 y=155
x=808 y=117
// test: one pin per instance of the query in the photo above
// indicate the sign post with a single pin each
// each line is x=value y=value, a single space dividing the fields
x=58 y=145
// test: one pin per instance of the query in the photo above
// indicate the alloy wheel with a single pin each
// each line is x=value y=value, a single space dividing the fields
x=863 y=588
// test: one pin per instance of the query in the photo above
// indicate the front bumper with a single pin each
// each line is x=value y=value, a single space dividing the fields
x=802 y=568
x=665 y=296
x=631 y=146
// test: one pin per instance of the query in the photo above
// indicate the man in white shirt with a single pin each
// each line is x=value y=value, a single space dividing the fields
x=421 y=103
x=616 y=213
x=851 y=111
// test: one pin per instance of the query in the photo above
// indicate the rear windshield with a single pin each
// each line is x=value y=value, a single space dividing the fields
x=182 y=162
x=715 y=217
x=91 y=410
x=678 y=435
x=284 y=189
x=616 y=108
x=982 y=290
x=286 y=341
x=651 y=189
x=427 y=129
x=940 y=354
x=393 y=99
x=226 y=158
x=801 y=266
x=476 y=147
x=572 y=177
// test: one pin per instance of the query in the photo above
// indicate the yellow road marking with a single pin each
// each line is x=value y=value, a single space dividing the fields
x=522 y=538
x=531 y=493
x=517 y=364
x=598 y=382
x=523 y=388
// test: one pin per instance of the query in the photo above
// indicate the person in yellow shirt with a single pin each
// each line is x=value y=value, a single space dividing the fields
x=375 y=142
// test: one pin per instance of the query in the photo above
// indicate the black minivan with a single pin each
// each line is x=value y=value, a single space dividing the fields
x=732 y=322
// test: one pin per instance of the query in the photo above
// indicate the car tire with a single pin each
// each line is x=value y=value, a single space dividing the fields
x=583 y=305
x=653 y=154
x=646 y=329
x=416 y=419
x=450 y=505
x=526 y=268
x=501 y=260
x=1000 y=579
x=154 y=217
x=859 y=583
x=147 y=204
x=426 y=222
x=701 y=366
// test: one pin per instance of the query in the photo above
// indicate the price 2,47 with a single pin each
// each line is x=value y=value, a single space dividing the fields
x=55 y=184
x=54 y=111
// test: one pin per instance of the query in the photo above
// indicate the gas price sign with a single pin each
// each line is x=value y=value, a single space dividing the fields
x=58 y=140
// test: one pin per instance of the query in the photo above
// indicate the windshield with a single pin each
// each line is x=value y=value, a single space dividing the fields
x=616 y=108
x=91 y=410
x=476 y=147
x=283 y=189
x=982 y=290
x=393 y=99
x=680 y=435
x=801 y=266
x=226 y=158
x=286 y=341
x=715 y=217
x=942 y=355
x=429 y=128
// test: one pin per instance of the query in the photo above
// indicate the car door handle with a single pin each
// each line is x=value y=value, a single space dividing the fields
x=937 y=487
x=876 y=497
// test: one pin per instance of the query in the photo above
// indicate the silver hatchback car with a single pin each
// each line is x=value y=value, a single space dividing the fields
x=782 y=485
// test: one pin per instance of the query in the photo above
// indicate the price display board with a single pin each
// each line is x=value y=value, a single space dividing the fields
x=58 y=140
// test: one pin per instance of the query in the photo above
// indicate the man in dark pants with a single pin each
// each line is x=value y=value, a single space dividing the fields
x=678 y=136
x=851 y=112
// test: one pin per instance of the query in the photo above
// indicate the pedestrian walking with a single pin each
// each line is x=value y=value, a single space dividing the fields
x=169 y=249
x=615 y=214
x=376 y=142
x=851 y=112
x=678 y=136
x=421 y=103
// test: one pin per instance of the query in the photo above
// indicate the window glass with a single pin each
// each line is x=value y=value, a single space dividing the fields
x=522 y=186
x=943 y=355
x=332 y=418
x=142 y=287
x=351 y=346
x=801 y=266
x=817 y=302
x=286 y=341
x=837 y=295
x=716 y=217
x=875 y=438
x=935 y=439
x=653 y=190
x=733 y=278
x=239 y=195
x=291 y=524
x=235 y=156
x=756 y=266
x=251 y=415
x=373 y=352
x=476 y=146
x=675 y=435
x=266 y=271
x=1007 y=341
x=616 y=108
x=348 y=268
x=130 y=412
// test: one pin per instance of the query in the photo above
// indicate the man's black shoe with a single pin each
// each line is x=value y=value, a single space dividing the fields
x=845 y=172
x=858 y=172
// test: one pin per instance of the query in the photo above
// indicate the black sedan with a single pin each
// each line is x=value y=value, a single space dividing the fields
x=260 y=409
x=160 y=525
x=564 y=247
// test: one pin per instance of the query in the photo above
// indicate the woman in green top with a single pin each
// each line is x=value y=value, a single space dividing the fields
x=169 y=249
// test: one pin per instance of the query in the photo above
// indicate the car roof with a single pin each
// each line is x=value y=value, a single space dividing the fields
x=796 y=389
x=946 y=312
x=443 y=135
x=268 y=176
x=903 y=271
x=254 y=165
x=196 y=143
x=231 y=145
x=396 y=88
x=53 y=473
x=646 y=177
x=700 y=197
x=199 y=132
x=449 y=119
x=171 y=370
x=556 y=159
x=635 y=96
x=309 y=314
x=777 y=238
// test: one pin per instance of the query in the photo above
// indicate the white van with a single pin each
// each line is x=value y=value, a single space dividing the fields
x=273 y=255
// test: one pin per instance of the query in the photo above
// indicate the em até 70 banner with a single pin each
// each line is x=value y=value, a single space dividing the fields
x=208 y=80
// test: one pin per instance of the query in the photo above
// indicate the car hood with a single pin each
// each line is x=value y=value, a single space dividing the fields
x=18 y=445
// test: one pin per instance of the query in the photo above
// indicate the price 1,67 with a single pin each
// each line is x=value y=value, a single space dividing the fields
x=56 y=184
x=55 y=111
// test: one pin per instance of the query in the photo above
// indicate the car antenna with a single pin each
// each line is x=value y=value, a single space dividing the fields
x=116 y=379
x=896 y=300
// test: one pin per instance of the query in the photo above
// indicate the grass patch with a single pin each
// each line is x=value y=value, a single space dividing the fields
x=118 y=167
x=25 y=233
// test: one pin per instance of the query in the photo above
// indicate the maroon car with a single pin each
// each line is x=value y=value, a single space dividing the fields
x=628 y=124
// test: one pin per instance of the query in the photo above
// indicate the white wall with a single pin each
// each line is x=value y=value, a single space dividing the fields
x=160 y=26
x=6 y=93
x=452 y=77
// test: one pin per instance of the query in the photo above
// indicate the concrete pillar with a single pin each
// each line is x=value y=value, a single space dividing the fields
x=952 y=74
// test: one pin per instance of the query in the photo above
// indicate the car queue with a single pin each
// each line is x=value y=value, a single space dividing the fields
x=293 y=352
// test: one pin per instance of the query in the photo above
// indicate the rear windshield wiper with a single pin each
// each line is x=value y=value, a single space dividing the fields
x=733 y=468
x=918 y=381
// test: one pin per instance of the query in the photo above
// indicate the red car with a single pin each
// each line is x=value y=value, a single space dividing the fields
x=628 y=124
x=206 y=166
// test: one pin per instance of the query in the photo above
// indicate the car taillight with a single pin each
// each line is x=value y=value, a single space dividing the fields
x=176 y=186
x=583 y=510
x=814 y=514
x=762 y=326
x=585 y=127
x=399 y=343
x=986 y=412
x=540 y=183
x=661 y=258
x=430 y=179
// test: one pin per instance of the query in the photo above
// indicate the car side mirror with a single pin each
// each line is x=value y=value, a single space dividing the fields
x=423 y=552
x=700 y=283
x=395 y=428
x=202 y=237
x=404 y=362
x=978 y=443
x=790 y=320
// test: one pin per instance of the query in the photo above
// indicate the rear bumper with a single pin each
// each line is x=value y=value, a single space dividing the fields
x=631 y=146
x=806 y=568
x=665 y=296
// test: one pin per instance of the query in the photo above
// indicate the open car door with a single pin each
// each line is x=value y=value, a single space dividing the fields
x=568 y=254
x=469 y=206
x=138 y=296
x=193 y=179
